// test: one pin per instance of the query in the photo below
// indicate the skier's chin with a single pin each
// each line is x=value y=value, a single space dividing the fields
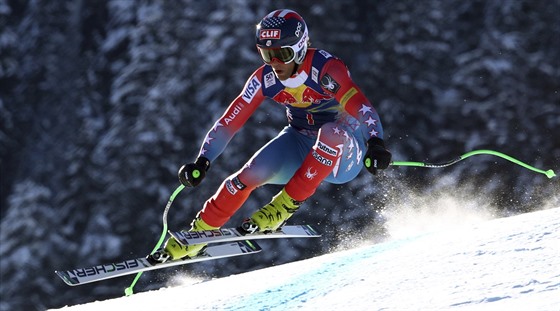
x=281 y=74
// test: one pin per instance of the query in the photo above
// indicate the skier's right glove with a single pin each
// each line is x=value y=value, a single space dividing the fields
x=376 y=157
x=192 y=174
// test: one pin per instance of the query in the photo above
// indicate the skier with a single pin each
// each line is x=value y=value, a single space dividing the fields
x=332 y=132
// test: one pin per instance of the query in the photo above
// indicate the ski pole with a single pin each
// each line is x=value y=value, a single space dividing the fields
x=129 y=290
x=549 y=173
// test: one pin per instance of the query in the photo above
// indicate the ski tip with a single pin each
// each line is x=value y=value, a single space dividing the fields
x=313 y=230
x=65 y=276
x=250 y=245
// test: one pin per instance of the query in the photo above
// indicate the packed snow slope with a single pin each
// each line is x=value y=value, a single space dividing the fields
x=502 y=264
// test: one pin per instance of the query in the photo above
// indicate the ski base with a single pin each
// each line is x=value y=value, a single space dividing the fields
x=234 y=234
x=107 y=271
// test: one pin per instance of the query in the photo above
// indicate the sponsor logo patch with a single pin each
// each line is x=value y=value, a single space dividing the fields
x=322 y=159
x=230 y=187
x=269 y=80
x=238 y=184
x=329 y=83
x=315 y=74
x=236 y=110
x=310 y=174
x=269 y=34
x=251 y=90
x=325 y=54
x=327 y=149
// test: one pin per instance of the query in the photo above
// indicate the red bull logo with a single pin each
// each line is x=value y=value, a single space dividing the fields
x=285 y=98
x=314 y=97
x=300 y=97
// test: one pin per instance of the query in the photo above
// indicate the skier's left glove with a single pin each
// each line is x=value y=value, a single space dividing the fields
x=192 y=174
x=376 y=157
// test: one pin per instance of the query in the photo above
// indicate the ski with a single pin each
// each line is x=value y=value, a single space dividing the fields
x=234 y=234
x=112 y=270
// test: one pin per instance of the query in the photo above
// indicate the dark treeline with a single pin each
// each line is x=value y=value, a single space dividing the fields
x=102 y=101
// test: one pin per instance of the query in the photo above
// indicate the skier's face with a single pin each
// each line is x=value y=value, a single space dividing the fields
x=280 y=59
x=283 y=71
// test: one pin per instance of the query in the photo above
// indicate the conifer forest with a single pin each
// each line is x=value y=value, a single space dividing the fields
x=101 y=102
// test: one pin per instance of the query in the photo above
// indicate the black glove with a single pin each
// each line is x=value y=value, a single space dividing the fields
x=377 y=157
x=192 y=174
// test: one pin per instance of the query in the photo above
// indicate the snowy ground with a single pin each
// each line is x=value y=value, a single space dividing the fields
x=502 y=264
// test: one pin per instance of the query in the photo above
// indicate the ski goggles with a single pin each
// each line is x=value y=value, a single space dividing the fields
x=284 y=54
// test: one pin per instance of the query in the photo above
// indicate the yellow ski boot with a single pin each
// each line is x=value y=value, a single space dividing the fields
x=273 y=215
x=177 y=251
